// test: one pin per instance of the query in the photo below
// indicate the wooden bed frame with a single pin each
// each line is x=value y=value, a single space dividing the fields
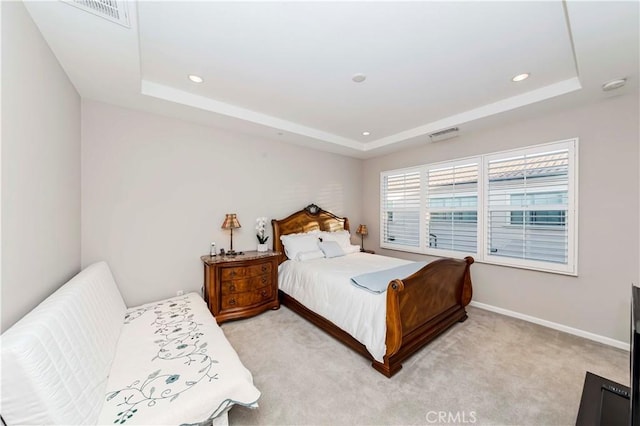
x=419 y=307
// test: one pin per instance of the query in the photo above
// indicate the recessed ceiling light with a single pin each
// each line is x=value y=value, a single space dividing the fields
x=359 y=78
x=520 y=77
x=614 y=84
x=366 y=133
x=195 y=78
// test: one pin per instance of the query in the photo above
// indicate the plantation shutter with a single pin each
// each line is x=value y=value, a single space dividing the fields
x=452 y=207
x=528 y=206
x=400 y=209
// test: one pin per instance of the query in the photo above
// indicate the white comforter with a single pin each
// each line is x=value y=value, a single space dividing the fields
x=173 y=365
x=324 y=286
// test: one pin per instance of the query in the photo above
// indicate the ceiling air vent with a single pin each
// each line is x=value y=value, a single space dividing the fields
x=445 y=134
x=113 y=10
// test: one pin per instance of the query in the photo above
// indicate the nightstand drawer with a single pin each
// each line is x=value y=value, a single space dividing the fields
x=245 y=284
x=241 y=300
x=244 y=272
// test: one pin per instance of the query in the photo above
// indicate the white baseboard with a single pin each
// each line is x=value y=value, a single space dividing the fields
x=576 y=332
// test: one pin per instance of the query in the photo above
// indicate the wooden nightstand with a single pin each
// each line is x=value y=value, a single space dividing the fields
x=241 y=286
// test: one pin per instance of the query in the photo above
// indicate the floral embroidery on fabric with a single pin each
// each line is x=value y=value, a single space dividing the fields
x=179 y=338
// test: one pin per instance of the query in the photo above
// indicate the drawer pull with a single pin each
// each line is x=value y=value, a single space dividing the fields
x=264 y=268
x=233 y=273
x=232 y=287
x=264 y=293
x=264 y=280
x=232 y=301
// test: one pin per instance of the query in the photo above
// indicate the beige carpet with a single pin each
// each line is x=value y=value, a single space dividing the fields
x=489 y=370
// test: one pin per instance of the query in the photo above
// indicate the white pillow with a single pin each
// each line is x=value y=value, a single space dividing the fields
x=341 y=237
x=331 y=249
x=310 y=255
x=299 y=243
x=351 y=249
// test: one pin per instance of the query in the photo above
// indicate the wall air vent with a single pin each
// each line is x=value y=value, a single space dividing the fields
x=112 y=10
x=445 y=134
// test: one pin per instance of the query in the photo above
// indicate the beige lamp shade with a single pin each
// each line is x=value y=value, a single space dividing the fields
x=230 y=221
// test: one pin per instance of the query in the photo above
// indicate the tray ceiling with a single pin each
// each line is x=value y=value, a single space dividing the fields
x=284 y=70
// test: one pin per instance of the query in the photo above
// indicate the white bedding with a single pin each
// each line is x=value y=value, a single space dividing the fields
x=173 y=365
x=324 y=286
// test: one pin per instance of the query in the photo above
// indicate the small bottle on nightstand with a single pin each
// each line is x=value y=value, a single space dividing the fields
x=212 y=251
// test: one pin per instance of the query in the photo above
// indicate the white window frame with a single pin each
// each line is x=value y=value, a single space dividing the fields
x=571 y=267
x=482 y=253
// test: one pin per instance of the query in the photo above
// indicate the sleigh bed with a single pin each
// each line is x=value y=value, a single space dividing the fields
x=418 y=307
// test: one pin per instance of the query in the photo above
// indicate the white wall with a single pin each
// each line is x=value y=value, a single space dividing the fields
x=597 y=301
x=155 y=191
x=40 y=168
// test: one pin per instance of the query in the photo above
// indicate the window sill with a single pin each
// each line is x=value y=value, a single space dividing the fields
x=507 y=264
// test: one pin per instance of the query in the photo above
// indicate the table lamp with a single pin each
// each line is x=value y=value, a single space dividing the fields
x=231 y=222
x=362 y=231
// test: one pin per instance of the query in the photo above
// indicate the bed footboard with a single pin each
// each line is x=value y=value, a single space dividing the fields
x=422 y=306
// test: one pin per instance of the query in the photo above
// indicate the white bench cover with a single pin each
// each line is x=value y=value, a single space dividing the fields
x=80 y=357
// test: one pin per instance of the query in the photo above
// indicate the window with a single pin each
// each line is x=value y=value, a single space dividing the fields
x=514 y=208
x=527 y=206
x=401 y=209
x=452 y=207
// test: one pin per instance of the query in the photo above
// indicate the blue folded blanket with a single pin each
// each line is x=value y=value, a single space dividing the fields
x=377 y=282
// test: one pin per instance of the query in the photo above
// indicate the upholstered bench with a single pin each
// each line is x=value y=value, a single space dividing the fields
x=82 y=357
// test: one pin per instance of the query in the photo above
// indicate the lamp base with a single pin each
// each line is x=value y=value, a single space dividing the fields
x=231 y=253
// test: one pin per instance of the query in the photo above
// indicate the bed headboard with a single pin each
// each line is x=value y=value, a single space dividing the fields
x=308 y=219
